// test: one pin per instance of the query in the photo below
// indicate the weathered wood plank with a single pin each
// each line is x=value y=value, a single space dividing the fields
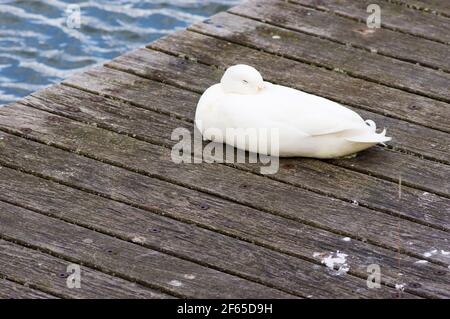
x=11 y=290
x=341 y=30
x=332 y=85
x=431 y=6
x=189 y=241
x=238 y=221
x=366 y=190
x=393 y=16
x=123 y=185
x=46 y=272
x=143 y=265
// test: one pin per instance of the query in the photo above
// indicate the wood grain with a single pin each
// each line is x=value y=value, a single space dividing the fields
x=128 y=260
x=49 y=273
x=316 y=26
x=430 y=6
x=11 y=290
x=395 y=17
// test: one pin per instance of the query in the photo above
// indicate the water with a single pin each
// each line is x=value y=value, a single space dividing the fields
x=42 y=41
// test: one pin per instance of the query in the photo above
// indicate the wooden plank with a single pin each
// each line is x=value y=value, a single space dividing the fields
x=221 y=180
x=128 y=260
x=238 y=221
x=431 y=6
x=43 y=271
x=333 y=85
x=11 y=290
x=339 y=30
x=161 y=67
x=393 y=16
x=305 y=173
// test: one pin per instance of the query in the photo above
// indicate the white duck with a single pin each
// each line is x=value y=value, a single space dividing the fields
x=307 y=125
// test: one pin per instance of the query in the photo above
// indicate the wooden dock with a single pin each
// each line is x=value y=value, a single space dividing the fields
x=86 y=176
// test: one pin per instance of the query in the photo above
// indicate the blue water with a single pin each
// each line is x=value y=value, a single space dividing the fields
x=44 y=41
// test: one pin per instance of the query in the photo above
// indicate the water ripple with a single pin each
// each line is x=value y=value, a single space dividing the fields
x=37 y=47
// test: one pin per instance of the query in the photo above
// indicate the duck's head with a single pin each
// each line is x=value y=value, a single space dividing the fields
x=242 y=79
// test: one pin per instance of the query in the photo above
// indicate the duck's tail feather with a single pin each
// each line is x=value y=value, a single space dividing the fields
x=370 y=135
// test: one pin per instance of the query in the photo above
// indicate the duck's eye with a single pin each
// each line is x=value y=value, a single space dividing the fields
x=245 y=81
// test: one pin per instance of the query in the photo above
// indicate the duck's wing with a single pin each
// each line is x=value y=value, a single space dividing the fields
x=311 y=114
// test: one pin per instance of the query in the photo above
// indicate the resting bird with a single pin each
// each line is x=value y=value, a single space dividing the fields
x=307 y=125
